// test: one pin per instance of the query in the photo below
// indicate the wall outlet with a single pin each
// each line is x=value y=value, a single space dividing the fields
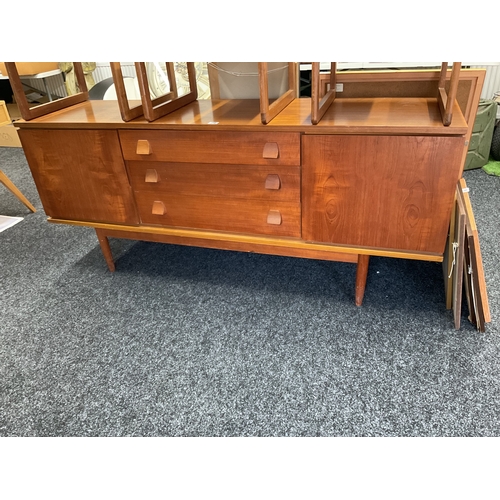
x=339 y=87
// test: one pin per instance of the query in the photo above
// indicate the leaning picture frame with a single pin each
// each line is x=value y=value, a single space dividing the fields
x=163 y=105
x=30 y=112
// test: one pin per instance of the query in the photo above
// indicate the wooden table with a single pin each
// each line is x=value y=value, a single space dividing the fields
x=377 y=176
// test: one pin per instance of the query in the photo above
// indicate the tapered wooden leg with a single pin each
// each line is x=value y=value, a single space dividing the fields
x=361 y=274
x=106 y=249
x=11 y=186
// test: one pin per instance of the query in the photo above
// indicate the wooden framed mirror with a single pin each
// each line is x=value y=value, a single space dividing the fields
x=269 y=110
x=155 y=107
x=30 y=112
x=128 y=113
x=320 y=103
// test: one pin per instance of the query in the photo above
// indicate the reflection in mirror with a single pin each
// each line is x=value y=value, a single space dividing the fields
x=164 y=84
x=127 y=91
x=32 y=108
x=158 y=78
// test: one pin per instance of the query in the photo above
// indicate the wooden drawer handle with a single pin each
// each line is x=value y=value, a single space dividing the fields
x=151 y=175
x=273 y=181
x=143 y=147
x=158 y=208
x=271 y=150
x=274 y=217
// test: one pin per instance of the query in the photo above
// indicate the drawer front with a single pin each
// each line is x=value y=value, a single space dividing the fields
x=232 y=181
x=252 y=148
x=220 y=214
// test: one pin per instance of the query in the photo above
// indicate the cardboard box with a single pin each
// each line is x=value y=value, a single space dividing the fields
x=8 y=133
x=30 y=68
x=14 y=112
x=4 y=114
x=9 y=137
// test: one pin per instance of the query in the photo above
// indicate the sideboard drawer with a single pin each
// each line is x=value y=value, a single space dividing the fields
x=256 y=148
x=233 y=181
x=220 y=214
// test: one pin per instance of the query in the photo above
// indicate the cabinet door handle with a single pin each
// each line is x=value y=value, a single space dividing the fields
x=151 y=175
x=158 y=208
x=271 y=150
x=274 y=217
x=273 y=181
x=143 y=147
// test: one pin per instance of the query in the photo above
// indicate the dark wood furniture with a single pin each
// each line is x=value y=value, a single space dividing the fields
x=374 y=176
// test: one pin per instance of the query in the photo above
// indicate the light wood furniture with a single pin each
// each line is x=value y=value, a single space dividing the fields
x=15 y=191
x=375 y=176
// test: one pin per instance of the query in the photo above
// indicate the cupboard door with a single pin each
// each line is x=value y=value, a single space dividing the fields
x=80 y=175
x=389 y=192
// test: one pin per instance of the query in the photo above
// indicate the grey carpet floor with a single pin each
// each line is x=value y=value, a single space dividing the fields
x=184 y=341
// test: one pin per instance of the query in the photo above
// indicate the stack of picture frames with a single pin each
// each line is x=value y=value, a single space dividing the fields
x=464 y=265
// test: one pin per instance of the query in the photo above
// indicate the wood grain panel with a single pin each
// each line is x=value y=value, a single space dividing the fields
x=232 y=181
x=212 y=147
x=391 y=192
x=80 y=176
x=220 y=214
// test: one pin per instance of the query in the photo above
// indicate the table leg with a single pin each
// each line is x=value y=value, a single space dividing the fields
x=106 y=249
x=361 y=274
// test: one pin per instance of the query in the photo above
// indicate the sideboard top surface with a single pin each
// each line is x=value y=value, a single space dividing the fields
x=386 y=115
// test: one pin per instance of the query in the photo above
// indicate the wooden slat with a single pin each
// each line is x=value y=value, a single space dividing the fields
x=128 y=113
x=269 y=110
x=319 y=103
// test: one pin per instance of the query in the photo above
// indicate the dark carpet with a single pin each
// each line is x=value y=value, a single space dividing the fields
x=184 y=341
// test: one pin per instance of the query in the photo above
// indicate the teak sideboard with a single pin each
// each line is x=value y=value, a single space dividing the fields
x=376 y=176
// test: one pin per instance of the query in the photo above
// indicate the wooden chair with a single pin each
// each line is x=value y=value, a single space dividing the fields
x=11 y=187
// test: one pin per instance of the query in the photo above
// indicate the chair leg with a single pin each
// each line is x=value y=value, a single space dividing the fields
x=11 y=187
x=361 y=274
